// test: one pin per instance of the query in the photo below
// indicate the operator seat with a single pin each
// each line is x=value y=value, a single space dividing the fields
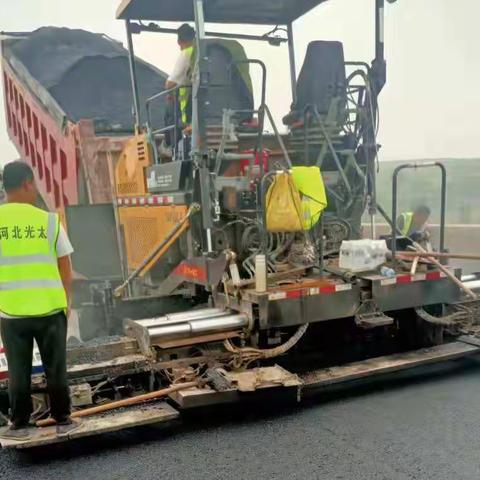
x=230 y=82
x=321 y=81
x=229 y=87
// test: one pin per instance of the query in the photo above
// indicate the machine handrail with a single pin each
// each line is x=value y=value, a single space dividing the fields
x=443 y=200
x=168 y=128
x=358 y=64
x=261 y=110
x=161 y=94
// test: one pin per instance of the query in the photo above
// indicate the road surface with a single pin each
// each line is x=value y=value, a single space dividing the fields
x=421 y=426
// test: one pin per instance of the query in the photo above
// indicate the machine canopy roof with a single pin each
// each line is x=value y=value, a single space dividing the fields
x=259 y=12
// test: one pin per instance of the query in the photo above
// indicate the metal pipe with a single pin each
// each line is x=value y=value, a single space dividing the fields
x=278 y=137
x=471 y=277
x=137 y=28
x=379 y=30
x=345 y=275
x=199 y=88
x=133 y=76
x=223 y=324
x=473 y=285
x=170 y=331
x=261 y=110
x=198 y=327
x=293 y=69
x=338 y=163
x=180 y=317
x=161 y=94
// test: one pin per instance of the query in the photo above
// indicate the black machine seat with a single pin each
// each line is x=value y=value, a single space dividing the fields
x=230 y=82
x=321 y=80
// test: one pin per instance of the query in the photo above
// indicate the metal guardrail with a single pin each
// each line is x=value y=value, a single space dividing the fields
x=443 y=199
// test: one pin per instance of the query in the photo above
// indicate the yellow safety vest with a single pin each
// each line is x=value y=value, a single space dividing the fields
x=185 y=92
x=309 y=183
x=30 y=282
x=407 y=223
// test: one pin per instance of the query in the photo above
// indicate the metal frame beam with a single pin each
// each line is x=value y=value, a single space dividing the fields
x=137 y=28
x=199 y=140
x=291 y=56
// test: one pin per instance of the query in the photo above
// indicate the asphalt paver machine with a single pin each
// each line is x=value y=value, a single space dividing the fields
x=269 y=312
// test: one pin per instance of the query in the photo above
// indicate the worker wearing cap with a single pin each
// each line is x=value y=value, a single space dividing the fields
x=35 y=282
x=182 y=72
x=410 y=223
x=414 y=225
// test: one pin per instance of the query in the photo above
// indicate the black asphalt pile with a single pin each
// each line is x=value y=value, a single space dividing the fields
x=88 y=75
x=93 y=351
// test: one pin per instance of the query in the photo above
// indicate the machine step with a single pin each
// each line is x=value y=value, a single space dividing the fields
x=98 y=424
x=388 y=364
x=373 y=320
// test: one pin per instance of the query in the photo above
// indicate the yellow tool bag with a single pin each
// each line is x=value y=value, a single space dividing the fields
x=295 y=201
x=309 y=182
x=284 y=205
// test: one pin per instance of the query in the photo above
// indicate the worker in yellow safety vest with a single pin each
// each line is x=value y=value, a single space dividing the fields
x=413 y=223
x=35 y=282
x=181 y=75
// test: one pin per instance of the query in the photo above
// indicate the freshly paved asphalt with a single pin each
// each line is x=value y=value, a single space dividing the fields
x=420 y=426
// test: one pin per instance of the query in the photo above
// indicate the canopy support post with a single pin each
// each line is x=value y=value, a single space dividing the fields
x=200 y=85
x=291 y=55
x=133 y=76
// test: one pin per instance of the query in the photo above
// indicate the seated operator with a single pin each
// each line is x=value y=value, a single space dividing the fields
x=414 y=224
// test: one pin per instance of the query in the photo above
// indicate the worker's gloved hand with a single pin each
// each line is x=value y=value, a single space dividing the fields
x=420 y=236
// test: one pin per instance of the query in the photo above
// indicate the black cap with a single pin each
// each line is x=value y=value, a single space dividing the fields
x=15 y=174
x=186 y=33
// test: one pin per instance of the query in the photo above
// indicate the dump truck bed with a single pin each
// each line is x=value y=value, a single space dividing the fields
x=68 y=103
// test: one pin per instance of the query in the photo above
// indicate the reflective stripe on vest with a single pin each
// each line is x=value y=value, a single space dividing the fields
x=30 y=282
x=185 y=92
x=407 y=223
x=23 y=284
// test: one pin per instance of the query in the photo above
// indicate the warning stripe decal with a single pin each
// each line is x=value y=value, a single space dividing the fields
x=142 y=201
x=308 y=292
x=419 y=277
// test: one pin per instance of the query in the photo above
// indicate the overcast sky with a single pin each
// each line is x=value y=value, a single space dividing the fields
x=429 y=107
